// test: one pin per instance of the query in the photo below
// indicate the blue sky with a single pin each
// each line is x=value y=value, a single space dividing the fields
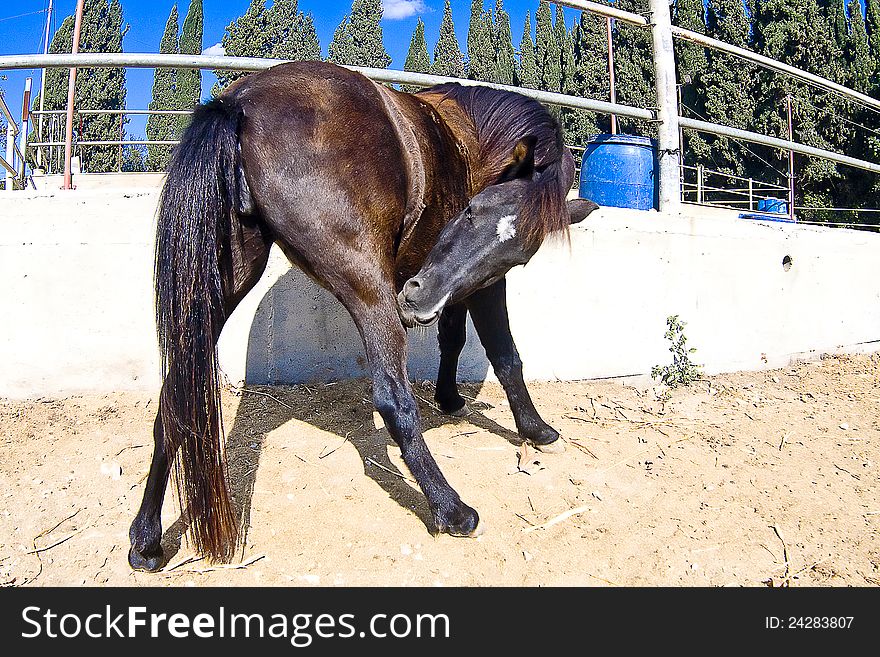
x=22 y=23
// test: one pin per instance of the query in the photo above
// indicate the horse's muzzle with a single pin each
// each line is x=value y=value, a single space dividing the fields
x=411 y=318
x=411 y=302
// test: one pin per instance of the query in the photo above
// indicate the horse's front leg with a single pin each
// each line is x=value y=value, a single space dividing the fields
x=488 y=308
x=451 y=335
x=385 y=341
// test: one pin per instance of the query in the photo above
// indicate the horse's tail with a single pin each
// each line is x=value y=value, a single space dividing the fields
x=203 y=188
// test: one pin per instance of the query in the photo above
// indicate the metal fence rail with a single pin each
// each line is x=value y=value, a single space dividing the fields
x=150 y=60
x=666 y=115
x=748 y=195
x=249 y=64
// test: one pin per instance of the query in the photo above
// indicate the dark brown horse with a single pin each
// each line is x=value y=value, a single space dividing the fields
x=356 y=183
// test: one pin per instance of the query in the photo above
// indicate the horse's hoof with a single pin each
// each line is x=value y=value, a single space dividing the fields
x=460 y=412
x=556 y=447
x=455 y=407
x=466 y=523
x=544 y=439
x=149 y=564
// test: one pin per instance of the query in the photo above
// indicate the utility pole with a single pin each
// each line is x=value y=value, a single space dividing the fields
x=668 y=147
x=71 y=92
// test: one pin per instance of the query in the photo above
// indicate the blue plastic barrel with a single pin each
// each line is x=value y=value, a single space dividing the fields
x=773 y=205
x=619 y=171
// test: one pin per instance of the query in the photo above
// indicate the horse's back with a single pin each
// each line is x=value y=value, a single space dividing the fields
x=321 y=156
x=330 y=155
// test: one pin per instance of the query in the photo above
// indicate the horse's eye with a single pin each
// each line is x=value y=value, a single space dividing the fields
x=469 y=216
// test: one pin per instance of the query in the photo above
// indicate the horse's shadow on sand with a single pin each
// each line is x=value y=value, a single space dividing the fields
x=343 y=408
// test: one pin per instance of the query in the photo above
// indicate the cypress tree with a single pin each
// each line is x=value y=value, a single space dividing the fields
x=567 y=117
x=341 y=47
x=310 y=47
x=691 y=66
x=690 y=57
x=835 y=11
x=281 y=24
x=52 y=158
x=133 y=157
x=862 y=186
x=527 y=72
x=729 y=91
x=159 y=127
x=448 y=58
x=358 y=39
x=634 y=69
x=101 y=88
x=292 y=33
x=366 y=34
x=481 y=52
x=779 y=33
x=417 y=59
x=566 y=53
x=246 y=36
x=872 y=27
x=858 y=52
x=547 y=54
x=591 y=78
x=189 y=81
x=505 y=62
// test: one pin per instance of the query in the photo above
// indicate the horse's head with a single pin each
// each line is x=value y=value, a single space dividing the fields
x=481 y=244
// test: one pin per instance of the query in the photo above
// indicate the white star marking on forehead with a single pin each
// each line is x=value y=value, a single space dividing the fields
x=506 y=229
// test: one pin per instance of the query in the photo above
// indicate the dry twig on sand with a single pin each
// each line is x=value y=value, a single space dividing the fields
x=389 y=470
x=557 y=519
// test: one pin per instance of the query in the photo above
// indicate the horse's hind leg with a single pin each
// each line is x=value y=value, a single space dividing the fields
x=146 y=530
x=451 y=335
x=249 y=253
x=488 y=308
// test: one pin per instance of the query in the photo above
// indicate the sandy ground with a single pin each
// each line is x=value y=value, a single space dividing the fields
x=750 y=479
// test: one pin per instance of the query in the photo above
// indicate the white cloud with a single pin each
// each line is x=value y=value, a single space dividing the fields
x=216 y=49
x=397 y=9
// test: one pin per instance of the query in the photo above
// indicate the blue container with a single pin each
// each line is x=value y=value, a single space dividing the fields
x=773 y=205
x=619 y=171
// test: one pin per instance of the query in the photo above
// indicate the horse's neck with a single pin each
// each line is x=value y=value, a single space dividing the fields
x=464 y=133
x=414 y=160
x=437 y=161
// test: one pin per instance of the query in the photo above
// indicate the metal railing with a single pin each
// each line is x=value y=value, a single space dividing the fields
x=248 y=64
x=742 y=194
x=49 y=153
x=13 y=161
x=666 y=116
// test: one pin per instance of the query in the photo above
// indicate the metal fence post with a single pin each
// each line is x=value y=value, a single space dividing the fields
x=25 y=123
x=71 y=95
x=668 y=146
x=699 y=184
x=10 y=154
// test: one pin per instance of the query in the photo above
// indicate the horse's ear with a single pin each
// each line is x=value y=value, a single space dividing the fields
x=522 y=160
x=579 y=208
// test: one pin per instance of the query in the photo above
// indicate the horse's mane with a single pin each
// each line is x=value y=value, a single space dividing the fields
x=503 y=118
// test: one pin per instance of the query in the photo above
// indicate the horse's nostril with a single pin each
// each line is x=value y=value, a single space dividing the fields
x=411 y=287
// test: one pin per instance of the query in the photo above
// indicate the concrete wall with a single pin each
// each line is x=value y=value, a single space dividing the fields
x=76 y=299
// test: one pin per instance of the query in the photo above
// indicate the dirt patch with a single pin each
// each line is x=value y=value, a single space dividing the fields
x=744 y=479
